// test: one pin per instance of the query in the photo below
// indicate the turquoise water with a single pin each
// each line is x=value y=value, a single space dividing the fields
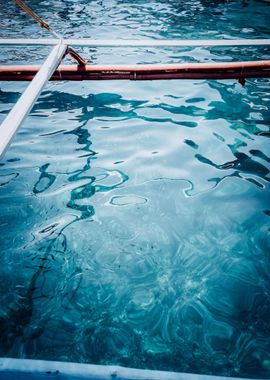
x=134 y=222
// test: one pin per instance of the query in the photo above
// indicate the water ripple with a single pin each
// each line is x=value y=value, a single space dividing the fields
x=140 y=235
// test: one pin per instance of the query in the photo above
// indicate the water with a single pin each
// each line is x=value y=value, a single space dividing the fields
x=135 y=215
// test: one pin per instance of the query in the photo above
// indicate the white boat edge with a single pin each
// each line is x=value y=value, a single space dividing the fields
x=28 y=369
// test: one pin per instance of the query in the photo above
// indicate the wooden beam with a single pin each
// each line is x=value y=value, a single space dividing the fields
x=22 y=369
x=135 y=43
x=16 y=116
x=214 y=70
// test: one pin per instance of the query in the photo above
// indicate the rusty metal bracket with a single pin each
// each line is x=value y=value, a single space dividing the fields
x=242 y=81
x=76 y=57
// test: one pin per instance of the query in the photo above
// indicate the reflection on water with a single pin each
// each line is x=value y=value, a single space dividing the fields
x=136 y=251
x=242 y=163
x=134 y=224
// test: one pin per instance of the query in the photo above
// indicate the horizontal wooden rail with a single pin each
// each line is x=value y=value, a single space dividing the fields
x=135 y=43
x=220 y=70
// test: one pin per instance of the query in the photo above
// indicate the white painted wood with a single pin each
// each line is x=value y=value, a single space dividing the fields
x=29 y=42
x=136 y=43
x=164 y=43
x=23 y=369
x=16 y=116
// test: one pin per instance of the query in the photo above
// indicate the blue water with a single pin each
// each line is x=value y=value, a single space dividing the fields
x=134 y=216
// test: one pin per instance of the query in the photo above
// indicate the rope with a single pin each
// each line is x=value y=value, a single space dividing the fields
x=73 y=54
x=32 y=14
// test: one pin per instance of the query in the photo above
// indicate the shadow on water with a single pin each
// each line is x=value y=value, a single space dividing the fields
x=15 y=320
x=17 y=316
x=99 y=105
x=231 y=108
x=50 y=241
x=242 y=164
x=95 y=324
x=45 y=180
x=48 y=247
x=93 y=292
x=237 y=108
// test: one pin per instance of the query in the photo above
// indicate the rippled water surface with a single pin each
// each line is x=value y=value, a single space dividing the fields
x=134 y=220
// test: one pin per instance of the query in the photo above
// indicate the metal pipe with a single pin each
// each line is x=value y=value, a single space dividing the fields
x=215 y=70
x=23 y=106
x=136 y=43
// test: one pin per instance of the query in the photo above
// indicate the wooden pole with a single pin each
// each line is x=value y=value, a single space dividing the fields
x=14 y=119
x=135 y=43
x=220 y=70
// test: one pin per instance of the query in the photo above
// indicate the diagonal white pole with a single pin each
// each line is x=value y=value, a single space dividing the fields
x=16 y=116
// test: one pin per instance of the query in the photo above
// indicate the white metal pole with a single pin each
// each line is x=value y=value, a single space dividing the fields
x=137 y=43
x=24 y=105
x=164 y=43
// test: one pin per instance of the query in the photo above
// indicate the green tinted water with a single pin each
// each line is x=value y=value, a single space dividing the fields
x=135 y=215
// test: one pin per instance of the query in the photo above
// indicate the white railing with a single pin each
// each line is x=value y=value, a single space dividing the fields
x=136 y=43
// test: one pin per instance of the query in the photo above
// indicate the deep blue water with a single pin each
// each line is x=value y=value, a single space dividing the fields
x=134 y=216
